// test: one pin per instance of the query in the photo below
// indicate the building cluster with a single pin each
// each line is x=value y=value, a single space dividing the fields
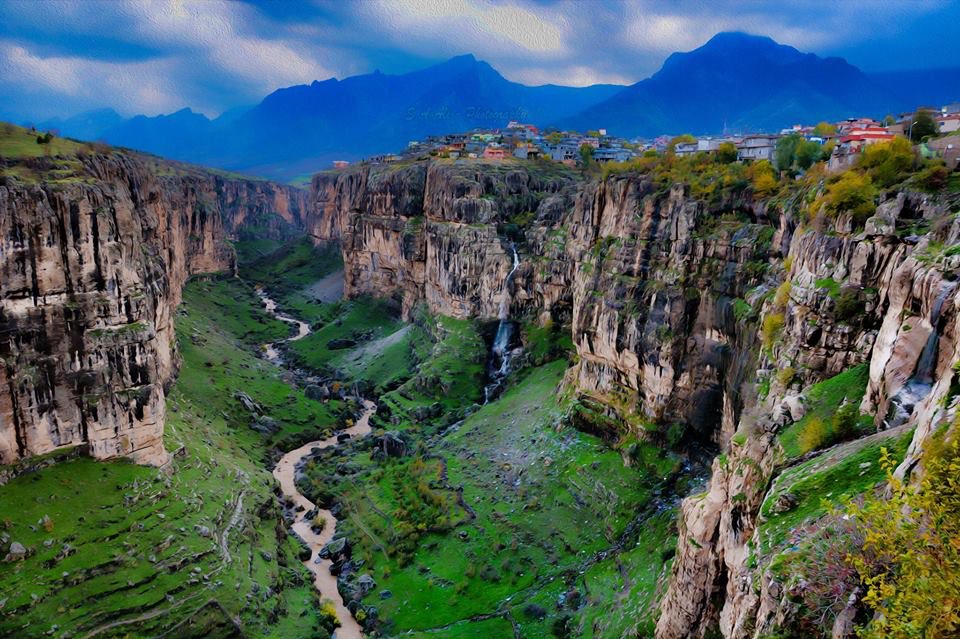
x=845 y=141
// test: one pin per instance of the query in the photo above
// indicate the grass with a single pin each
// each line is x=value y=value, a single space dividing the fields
x=288 y=271
x=822 y=401
x=238 y=310
x=134 y=531
x=537 y=489
x=824 y=482
x=18 y=142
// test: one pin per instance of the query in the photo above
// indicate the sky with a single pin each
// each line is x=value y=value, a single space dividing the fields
x=62 y=57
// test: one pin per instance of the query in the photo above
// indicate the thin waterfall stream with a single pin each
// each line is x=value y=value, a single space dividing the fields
x=500 y=353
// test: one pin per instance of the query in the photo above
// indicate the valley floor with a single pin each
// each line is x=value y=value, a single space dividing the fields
x=488 y=523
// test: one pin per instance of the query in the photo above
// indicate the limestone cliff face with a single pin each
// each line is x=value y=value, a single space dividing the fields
x=91 y=270
x=667 y=296
x=428 y=232
x=903 y=286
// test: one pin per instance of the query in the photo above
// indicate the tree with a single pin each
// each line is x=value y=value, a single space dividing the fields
x=806 y=154
x=586 y=154
x=727 y=153
x=889 y=120
x=785 y=151
x=853 y=192
x=686 y=138
x=910 y=559
x=888 y=162
x=763 y=178
x=555 y=138
x=824 y=129
x=922 y=125
x=593 y=133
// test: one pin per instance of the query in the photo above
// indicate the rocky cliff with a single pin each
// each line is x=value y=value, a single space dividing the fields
x=92 y=261
x=720 y=312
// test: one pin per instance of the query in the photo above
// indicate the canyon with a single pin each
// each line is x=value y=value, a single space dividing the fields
x=684 y=309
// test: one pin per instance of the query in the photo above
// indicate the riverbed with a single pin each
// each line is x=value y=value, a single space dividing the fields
x=286 y=474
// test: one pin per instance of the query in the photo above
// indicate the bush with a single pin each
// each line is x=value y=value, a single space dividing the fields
x=844 y=422
x=773 y=323
x=851 y=193
x=933 y=178
x=814 y=435
x=726 y=153
x=785 y=376
x=763 y=178
x=782 y=295
x=910 y=563
x=887 y=163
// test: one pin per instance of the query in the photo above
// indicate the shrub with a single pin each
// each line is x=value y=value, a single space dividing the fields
x=814 y=435
x=851 y=193
x=933 y=178
x=844 y=422
x=887 y=162
x=773 y=323
x=726 y=153
x=782 y=295
x=763 y=178
x=785 y=375
x=910 y=564
x=847 y=304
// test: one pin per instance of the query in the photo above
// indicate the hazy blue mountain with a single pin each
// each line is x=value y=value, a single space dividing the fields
x=88 y=125
x=735 y=82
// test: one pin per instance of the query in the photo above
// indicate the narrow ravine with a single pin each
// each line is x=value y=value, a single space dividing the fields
x=286 y=474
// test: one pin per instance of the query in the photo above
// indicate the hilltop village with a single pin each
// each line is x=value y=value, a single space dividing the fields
x=934 y=130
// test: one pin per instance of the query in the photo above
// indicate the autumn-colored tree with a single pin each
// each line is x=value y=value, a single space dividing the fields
x=726 y=153
x=853 y=192
x=910 y=563
x=888 y=162
x=823 y=129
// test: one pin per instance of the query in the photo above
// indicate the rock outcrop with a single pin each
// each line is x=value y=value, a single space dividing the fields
x=716 y=312
x=91 y=269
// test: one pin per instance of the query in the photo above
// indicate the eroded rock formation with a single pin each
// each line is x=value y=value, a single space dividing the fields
x=91 y=269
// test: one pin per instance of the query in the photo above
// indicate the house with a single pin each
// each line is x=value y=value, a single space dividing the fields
x=948 y=123
x=340 y=164
x=757 y=147
x=612 y=154
x=953 y=107
x=494 y=152
x=852 y=124
x=685 y=148
x=858 y=138
x=947 y=148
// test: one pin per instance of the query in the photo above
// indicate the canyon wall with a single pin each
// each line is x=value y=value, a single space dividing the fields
x=717 y=311
x=91 y=269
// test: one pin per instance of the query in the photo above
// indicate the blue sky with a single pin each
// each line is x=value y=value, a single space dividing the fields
x=58 y=58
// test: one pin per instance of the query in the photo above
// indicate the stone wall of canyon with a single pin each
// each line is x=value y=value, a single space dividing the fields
x=91 y=270
x=665 y=294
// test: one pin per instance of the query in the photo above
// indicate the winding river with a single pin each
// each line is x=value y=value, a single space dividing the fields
x=286 y=474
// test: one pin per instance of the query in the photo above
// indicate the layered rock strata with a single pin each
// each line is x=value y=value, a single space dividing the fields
x=91 y=269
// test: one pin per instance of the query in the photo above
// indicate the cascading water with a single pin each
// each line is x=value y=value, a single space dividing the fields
x=918 y=386
x=500 y=353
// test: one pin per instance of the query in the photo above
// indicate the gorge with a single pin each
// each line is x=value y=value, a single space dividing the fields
x=634 y=468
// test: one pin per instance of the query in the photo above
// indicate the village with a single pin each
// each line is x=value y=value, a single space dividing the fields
x=935 y=131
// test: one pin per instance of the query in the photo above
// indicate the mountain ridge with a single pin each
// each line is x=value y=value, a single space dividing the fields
x=750 y=82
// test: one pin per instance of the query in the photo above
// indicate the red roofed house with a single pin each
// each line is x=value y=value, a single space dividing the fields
x=494 y=152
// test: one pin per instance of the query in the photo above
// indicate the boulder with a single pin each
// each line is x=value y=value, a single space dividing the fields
x=17 y=552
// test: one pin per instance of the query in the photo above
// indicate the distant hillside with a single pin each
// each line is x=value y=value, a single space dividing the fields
x=735 y=82
x=741 y=82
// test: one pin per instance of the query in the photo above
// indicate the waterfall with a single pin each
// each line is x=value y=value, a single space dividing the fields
x=918 y=386
x=500 y=353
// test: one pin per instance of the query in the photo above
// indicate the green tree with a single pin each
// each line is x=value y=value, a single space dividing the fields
x=593 y=133
x=555 y=138
x=889 y=120
x=806 y=153
x=922 y=125
x=586 y=154
x=785 y=151
x=727 y=153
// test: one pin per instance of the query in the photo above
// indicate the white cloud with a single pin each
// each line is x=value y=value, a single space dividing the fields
x=483 y=27
x=137 y=87
x=572 y=75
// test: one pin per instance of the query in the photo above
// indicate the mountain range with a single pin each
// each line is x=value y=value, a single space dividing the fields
x=734 y=82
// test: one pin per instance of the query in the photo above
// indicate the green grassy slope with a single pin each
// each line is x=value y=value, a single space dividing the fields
x=127 y=550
